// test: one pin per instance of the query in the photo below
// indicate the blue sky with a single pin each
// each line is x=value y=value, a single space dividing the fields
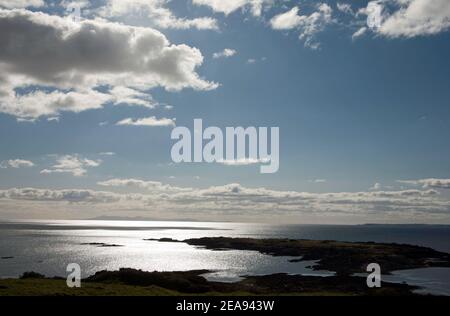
x=358 y=115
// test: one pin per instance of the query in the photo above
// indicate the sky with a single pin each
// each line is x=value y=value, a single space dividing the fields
x=90 y=92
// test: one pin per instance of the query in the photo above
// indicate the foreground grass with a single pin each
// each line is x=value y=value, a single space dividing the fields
x=48 y=287
x=51 y=287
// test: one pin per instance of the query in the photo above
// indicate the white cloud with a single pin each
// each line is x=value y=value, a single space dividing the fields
x=287 y=20
x=16 y=163
x=309 y=25
x=418 y=17
x=228 y=6
x=53 y=119
x=375 y=187
x=360 y=32
x=62 y=70
x=412 y=18
x=148 y=121
x=40 y=103
x=19 y=4
x=157 y=13
x=345 y=7
x=315 y=23
x=429 y=183
x=227 y=52
x=125 y=95
x=73 y=164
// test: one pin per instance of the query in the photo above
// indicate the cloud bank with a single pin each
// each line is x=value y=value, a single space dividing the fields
x=429 y=183
x=237 y=200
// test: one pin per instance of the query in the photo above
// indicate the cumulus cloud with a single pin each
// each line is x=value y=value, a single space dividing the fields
x=16 y=163
x=72 y=164
x=229 y=6
x=308 y=25
x=227 y=52
x=65 y=69
x=148 y=121
x=429 y=183
x=410 y=18
x=287 y=20
x=157 y=13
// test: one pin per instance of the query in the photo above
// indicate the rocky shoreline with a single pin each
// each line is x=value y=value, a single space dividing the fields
x=344 y=258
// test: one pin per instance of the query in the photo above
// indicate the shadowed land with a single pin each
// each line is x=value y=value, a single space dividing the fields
x=132 y=282
x=344 y=258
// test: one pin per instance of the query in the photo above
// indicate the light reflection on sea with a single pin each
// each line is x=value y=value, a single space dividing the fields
x=47 y=249
x=48 y=246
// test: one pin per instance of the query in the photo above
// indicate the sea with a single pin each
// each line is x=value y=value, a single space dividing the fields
x=47 y=247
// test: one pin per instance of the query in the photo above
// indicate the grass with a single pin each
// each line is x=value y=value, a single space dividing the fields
x=51 y=287
x=48 y=287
